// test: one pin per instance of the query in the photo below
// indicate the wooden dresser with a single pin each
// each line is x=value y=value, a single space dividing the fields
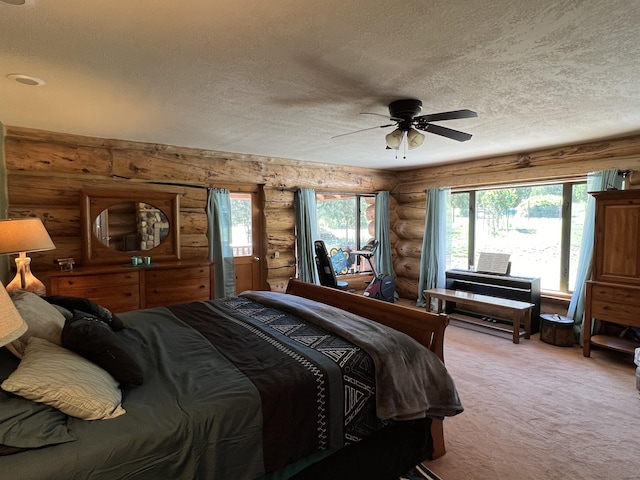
x=613 y=293
x=123 y=288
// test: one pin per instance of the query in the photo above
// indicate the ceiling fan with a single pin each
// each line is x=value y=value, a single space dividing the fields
x=404 y=115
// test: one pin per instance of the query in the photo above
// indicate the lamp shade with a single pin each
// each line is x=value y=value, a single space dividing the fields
x=24 y=235
x=414 y=138
x=394 y=139
x=11 y=323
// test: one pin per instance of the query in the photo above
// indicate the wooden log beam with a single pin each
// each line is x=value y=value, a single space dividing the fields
x=406 y=267
x=279 y=220
x=39 y=156
x=411 y=248
x=545 y=164
x=407 y=288
x=411 y=211
x=409 y=228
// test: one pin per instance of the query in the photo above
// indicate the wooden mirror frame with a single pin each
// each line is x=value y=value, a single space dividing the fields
x=94 y=201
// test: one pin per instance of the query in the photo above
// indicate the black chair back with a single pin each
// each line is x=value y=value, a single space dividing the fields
x=325 y=268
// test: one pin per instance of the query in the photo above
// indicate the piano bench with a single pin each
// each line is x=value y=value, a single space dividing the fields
x=518 y=313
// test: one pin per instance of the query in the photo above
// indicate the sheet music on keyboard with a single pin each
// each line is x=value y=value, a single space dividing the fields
x=493 y=263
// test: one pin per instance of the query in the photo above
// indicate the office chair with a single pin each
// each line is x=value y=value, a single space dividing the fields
x=325 y=268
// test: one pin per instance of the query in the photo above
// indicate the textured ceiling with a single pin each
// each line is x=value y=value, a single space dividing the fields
x=279 y=78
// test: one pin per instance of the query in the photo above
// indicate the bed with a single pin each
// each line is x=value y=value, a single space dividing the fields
x=264 y=385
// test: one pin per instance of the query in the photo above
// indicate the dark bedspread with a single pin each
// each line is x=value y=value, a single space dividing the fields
x=233 y=389
x=310 y=381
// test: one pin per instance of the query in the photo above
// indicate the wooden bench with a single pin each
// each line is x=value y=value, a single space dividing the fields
x=519 y=313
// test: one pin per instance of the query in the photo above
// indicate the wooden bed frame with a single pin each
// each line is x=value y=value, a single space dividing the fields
x=425 y=327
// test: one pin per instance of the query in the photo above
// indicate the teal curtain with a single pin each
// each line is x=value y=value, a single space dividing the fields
x=382 y=224
x=219 y=235
x=433 y=259
x=304 y=203
x=596 y=182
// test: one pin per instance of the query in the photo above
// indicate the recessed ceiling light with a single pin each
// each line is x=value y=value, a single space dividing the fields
x=14 y=2
x=25 y=79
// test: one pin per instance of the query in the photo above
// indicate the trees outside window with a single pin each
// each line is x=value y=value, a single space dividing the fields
x=540 y=226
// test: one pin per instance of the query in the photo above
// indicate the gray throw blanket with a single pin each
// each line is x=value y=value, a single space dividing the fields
x=411 y=381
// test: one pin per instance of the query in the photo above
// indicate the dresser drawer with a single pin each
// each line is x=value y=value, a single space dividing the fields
x=173 y=275
x=115 y=291
x=179 y=293
x=616 y=312
x=616 y=294
x=107 y=279
x=176 y=285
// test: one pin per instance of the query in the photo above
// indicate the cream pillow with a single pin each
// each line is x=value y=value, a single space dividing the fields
x=58 y=377
x=43 y=320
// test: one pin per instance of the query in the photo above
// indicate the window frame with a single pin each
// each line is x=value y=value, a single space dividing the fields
x=358 y=224
x=566 y=212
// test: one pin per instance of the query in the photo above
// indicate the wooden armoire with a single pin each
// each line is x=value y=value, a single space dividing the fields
x=613 y=293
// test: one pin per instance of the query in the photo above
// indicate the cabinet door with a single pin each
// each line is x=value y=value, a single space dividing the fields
x=617 y=251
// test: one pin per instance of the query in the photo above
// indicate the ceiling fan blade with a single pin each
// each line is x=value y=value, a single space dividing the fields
x=363 y=130
x=447 y=132
x=453 y=115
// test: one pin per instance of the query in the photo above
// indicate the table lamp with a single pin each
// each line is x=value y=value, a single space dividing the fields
x=11 y=323
x=22 y=236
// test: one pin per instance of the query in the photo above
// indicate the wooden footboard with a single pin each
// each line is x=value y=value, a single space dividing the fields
x=425 y=327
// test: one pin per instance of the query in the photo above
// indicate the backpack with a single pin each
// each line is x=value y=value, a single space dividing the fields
x=382 y=287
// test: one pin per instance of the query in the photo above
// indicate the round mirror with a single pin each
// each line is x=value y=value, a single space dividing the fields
x=131 y=226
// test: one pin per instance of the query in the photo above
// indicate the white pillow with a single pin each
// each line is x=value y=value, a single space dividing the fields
x=43 y=320
x=58 y=377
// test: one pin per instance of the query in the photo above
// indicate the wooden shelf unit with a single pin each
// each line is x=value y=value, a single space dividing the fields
x=613 y=293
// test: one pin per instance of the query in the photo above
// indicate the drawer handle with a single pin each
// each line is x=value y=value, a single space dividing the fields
x=605 y=307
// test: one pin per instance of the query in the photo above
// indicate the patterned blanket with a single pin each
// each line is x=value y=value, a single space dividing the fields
x=411 y=381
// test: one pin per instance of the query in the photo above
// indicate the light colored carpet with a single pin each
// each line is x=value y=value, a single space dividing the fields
x=537 y=411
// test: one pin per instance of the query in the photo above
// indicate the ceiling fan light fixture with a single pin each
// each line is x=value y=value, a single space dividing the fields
x=414 y=138
x=394 y=139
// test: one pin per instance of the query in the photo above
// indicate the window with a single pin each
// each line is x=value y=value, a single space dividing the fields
x=540 y=226
x=241 y=224
x=345 y=223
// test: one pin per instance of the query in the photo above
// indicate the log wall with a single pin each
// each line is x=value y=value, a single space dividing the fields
x=46 y=171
